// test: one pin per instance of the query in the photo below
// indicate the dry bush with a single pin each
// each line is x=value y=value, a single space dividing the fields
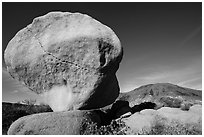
x=160 y=126
x=115 y=128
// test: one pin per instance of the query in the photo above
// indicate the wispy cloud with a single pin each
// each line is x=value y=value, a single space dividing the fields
x=188 y=76
x=155 y=76
x=11 y=85
x=191 y=35
x=9 y=82
x=189 y=81
x=192 y=83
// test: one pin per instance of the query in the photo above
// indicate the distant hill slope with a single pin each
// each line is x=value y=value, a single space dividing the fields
x=161 y=92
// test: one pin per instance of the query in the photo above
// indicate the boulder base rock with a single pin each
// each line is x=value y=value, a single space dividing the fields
x=54 y=123
x=147 y=118
x=69 y=58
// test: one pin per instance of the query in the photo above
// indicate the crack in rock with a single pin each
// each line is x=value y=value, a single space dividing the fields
x=62 y=61
x=70 y=59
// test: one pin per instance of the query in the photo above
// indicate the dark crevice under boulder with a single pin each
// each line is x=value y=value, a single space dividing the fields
x=142 y=106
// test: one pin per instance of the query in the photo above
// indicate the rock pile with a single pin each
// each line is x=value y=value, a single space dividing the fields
x=70 y=59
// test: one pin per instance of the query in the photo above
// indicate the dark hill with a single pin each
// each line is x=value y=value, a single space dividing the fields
x=162 y=93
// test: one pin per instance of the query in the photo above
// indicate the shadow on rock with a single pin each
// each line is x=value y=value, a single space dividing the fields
x=142 y=106
x=121 y=109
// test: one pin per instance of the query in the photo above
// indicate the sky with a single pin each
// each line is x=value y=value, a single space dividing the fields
x=162 y=42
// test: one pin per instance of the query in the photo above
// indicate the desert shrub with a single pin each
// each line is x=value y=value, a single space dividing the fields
x=177 y=128
x=117 y=127
x=124 y=97
x=28 y=101
x=161 y=126
x=158 y=126
x=171 y=102
x=186 y=106
x=199 y=102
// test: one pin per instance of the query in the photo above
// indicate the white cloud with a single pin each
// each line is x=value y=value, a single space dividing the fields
x=12 y=85
x=192 y=83
x=191 y=35
x=188 y=81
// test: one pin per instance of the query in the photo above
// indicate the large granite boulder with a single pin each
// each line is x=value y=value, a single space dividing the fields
x=54 y=123
x=68 y=58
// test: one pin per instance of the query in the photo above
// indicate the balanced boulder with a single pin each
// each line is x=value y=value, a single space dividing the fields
x=68 y=58
x=54 y=123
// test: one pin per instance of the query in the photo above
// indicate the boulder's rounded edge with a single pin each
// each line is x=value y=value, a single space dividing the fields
x=54 y=123
x=37 y=57
x=42 y=23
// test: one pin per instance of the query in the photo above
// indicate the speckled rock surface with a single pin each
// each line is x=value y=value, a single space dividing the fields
x=69 y=58
x=54 y=123
x=148 y=117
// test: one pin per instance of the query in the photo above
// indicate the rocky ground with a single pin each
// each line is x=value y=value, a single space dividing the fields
x=176 y=115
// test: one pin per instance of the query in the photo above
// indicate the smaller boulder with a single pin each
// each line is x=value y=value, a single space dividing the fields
x=176 y=114
x=138 y=121
x=196 y=109
x=54 y=123
x=148 y=118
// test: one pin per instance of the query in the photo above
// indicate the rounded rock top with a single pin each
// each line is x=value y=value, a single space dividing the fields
x=54 y=27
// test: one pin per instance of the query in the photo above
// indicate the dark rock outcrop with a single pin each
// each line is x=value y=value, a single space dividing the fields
x=117 y=109
x=142 y=106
